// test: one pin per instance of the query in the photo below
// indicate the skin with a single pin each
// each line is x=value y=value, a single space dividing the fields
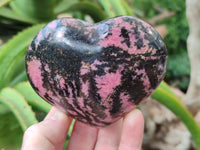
x=50 y=134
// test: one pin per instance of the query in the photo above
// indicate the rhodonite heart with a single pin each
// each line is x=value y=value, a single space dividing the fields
x=96 y=72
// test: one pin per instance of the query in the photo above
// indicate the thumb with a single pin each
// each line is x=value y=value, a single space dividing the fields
x=49 y=134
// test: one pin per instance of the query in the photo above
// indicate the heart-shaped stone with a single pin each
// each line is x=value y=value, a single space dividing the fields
x=96 y=73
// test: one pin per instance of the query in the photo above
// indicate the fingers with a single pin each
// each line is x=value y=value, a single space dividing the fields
x=109 y=137
x=125 y=134
x=83 y=137
x=49 y=134
x=132 y=131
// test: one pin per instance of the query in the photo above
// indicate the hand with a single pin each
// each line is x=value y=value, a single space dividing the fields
x=50 y=134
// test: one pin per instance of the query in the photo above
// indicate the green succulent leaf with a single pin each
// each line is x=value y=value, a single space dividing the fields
x=32 y=98
x=13 y=50
x=18 y=73
x=166 y=87
x=11 y=134
x=88 y=8
x=41 y=11
x=3 y=109
x=4 y=2
x=127 y=8
x=64 y=5
x=10 y=14
x=108 y=8
x=19 y=78
x=18 y=105
x=10 y=70
x=118 y=7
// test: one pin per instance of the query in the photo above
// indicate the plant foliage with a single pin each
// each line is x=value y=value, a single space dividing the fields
x=20 y=106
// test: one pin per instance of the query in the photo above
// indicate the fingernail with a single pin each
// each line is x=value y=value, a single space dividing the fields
x=135 y=112
x=58 y=115
x=132 y=114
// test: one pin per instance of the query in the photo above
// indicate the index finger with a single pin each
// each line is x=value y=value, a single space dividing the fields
x=49 y=134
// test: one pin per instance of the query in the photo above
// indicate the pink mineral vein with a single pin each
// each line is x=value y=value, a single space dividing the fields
x=34 y=70
x=85 y=88
x=108 y=82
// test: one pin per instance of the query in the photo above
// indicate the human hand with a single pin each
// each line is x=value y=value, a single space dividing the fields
x=50 y=134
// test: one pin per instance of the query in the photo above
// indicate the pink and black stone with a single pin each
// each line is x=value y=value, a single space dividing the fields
x=96 y=73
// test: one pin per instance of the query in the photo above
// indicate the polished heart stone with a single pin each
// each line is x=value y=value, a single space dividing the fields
x=96 y=73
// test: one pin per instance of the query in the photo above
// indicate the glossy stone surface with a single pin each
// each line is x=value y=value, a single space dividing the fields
x=96 y=72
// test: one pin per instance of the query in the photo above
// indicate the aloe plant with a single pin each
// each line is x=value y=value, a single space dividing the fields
x=16 y=94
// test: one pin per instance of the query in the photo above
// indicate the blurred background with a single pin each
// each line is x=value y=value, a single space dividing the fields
x=20 y=20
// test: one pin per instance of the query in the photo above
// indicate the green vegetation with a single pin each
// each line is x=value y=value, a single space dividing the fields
x=178 y=69
x=25 y=18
